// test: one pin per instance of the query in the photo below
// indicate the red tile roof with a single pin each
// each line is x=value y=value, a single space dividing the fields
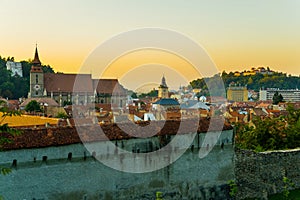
x=81 y=83
x=56 y=136
x=108 y=86
x=66 y=82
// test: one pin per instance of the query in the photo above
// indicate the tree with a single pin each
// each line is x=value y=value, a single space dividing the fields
x=33 y=106
x=271 y=133
x=134 y=95
x=277 y=98
x=14 y=86
x=62 y=115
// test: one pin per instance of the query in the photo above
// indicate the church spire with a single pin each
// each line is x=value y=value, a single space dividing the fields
x=163 y=82
x=36 y=61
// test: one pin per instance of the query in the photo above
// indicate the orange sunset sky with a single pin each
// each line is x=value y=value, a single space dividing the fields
x=235 y=34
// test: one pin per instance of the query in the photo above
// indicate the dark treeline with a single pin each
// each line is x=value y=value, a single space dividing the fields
x=12 y=86
x=253 y=82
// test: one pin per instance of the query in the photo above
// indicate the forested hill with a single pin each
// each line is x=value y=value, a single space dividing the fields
x=14 y=87
x=253 y=82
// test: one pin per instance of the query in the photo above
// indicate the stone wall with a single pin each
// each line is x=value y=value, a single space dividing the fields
x=261 y=174
x=53 y=173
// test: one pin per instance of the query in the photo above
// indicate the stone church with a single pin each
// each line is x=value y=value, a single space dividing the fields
x=76 y=89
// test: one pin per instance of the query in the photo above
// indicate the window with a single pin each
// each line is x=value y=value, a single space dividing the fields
x=36 y=78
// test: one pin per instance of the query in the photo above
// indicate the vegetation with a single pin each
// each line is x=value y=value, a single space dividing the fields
x=287 y=185
x=152 y=93
x=33 y=106
x=271 y=133
x=277 y=98
x=233 y=188
x=293 y=195
x=253 y=82
x=62 y=115
x=13 y=86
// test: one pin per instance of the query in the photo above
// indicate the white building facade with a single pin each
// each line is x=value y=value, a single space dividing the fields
x=289 y=95
x=15 y=68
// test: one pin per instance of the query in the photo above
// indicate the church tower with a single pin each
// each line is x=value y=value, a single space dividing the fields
x=36 y=77
x=163 y=91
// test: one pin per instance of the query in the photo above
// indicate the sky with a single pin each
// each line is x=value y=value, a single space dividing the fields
x=235 y=34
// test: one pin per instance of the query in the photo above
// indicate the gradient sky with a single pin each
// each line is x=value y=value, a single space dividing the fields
x=236 y=34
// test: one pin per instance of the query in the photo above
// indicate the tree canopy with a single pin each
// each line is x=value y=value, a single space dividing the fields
x=271 y=133
x=14 y=86
x=33 y=106
x=253 y=82
x=277 y=98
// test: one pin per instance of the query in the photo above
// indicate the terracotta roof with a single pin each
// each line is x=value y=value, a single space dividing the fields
x=263 y=105
x=108 y=86
x=259 y=112
x=56 y=136
x=65 y=82
x=13 y=104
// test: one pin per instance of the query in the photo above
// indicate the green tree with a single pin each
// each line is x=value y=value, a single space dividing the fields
x=62 y=115
x=271 y=133
x=134 y=95
x=14 y=86
x=277 y=98
x=33 y=106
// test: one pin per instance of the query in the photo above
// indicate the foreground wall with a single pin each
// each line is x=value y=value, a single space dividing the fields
x=70 y=172
x=261 y=174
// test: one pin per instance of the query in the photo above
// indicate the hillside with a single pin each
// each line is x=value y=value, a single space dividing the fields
x=14 y=87
x=253 y=82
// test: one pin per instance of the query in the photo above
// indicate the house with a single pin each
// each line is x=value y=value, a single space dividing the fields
x=194 y=108
x=166 y=108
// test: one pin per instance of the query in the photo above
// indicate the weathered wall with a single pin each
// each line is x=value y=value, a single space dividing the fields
x=85 y=178
x=261 y=174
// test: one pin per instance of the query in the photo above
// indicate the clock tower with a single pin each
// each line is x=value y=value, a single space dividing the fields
x=36 y=77
x=163 y=91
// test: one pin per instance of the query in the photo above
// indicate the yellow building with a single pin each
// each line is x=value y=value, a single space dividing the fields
x=237 y=93
x=249 y=73
x=237 y=73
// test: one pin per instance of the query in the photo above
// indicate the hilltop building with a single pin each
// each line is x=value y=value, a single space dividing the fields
x=15 y=68
x=254 y=71
x=289 y=95
x=78 y=89
x=237 y=93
